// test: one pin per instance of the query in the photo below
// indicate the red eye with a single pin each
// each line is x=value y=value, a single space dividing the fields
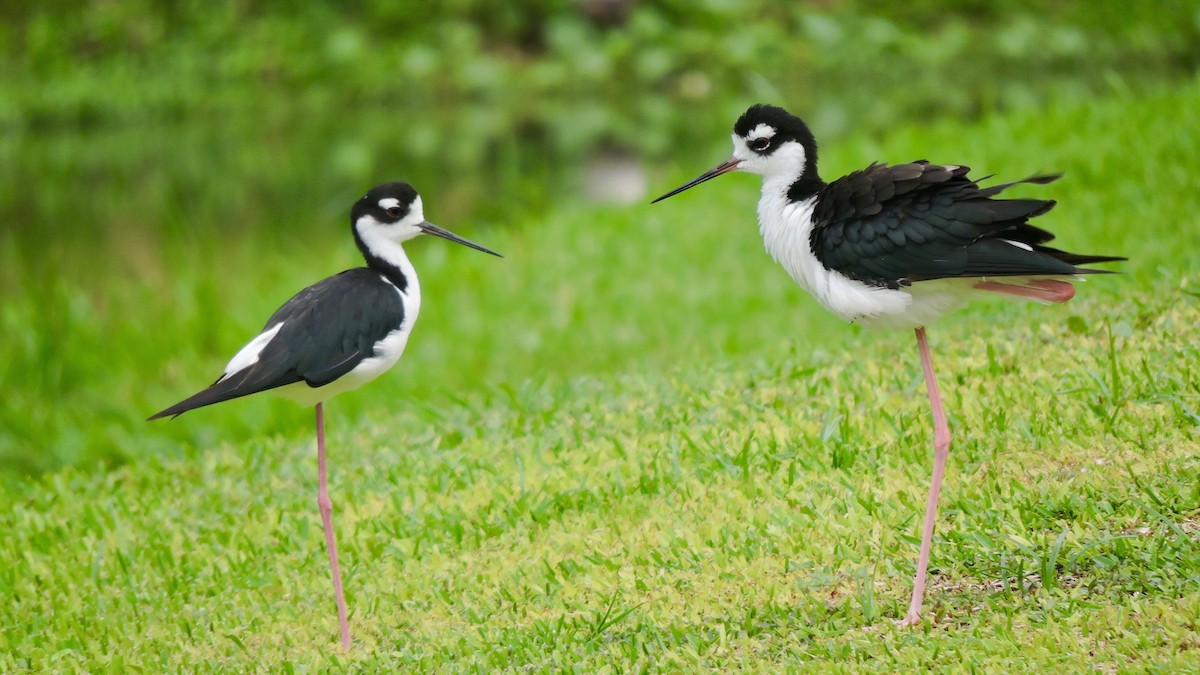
x=394 y=211
x=760 y=144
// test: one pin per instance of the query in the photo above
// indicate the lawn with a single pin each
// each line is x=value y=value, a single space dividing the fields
x=633 y=444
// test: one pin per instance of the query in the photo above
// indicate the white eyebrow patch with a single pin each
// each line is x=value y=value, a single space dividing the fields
x=763 y=130
x=388 y=202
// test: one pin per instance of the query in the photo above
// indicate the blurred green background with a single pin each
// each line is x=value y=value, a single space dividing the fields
x=175 y=170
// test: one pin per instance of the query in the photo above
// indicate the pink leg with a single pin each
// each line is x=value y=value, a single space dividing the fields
x=326 y=507
x=1046 y=290
x=941 y=450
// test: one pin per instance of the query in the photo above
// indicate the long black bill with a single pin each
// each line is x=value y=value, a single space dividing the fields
x=724 y=167
x=429 y=228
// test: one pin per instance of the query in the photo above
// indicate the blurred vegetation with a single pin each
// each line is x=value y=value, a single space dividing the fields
x=145 y=108
x=196 y=158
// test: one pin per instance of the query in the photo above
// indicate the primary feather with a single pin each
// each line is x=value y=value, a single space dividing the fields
x=319 y=335
x=891 y=226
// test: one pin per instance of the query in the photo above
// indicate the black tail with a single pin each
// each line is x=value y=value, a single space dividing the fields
x=225 y=389
x=214 y=394
x=1014 y=213
x=1082 y=259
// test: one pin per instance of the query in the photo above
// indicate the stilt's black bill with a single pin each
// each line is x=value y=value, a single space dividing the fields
x=429 y=228
x=724 y=167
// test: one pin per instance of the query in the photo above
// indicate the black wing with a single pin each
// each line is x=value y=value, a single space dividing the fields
x=327 y=329
x=893 y=225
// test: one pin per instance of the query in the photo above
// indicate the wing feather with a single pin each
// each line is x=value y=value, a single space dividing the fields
x=321 y=334
x=893 y=225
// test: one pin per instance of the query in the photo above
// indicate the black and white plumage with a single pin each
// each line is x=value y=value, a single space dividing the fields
x=893 y=245
x=352 y=326
x=339 y=333
x=896 y=246
x=343 y=331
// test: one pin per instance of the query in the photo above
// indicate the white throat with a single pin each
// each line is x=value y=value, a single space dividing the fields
x=380 y=241
x=786 y=228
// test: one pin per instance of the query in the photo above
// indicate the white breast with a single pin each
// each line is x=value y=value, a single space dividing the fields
x=387 y=353
x=786 y=228
x=389 y=350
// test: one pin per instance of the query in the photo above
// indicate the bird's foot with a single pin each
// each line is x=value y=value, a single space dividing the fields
x=911 y=619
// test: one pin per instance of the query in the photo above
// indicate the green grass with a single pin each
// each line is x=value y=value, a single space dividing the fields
x=634 y=444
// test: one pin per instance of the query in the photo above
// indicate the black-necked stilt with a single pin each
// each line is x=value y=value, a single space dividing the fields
x=339 y=333
x=896 y=246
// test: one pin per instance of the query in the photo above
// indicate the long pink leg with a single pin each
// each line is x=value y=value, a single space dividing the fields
x=326 y=507
x=941 y=450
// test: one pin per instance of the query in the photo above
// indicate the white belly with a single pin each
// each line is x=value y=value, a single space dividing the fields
x=387 y=353
x=786 y=229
